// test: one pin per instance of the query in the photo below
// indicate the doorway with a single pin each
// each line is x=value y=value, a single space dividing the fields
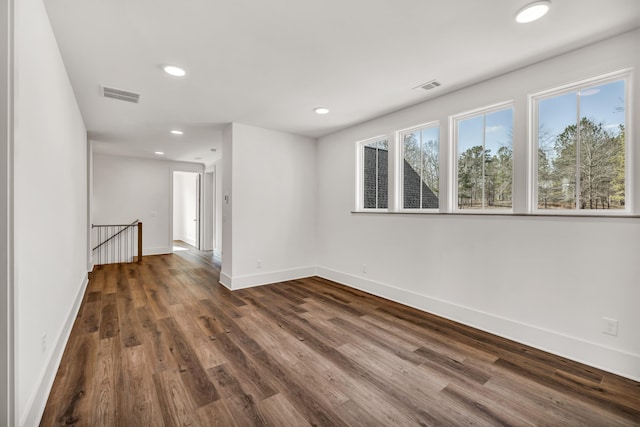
x=186 y=208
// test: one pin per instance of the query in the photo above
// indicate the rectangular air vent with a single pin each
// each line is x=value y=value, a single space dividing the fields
x=123 y=95
x=429 y=85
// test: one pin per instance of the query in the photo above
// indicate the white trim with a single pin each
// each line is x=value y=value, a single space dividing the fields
x=188 y=241
x=225 y=280
x=38 y=400
x=252 y=280
x=606 y=358
x=200 y=195
x=585 y=83
x=631 y=202
x=157 y=251
x=499 y=106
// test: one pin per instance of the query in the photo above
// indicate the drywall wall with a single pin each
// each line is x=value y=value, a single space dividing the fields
x=208 y=225
x=185 y=206
x=50 y=208
x=543 y=281
x=6 y=208
x=273 y=194
x=218 y=203
x=214 y=187
x=128 y=188
x=226 y=163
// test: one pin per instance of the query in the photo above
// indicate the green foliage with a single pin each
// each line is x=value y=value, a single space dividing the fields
x=483 y=176
x=588 y=157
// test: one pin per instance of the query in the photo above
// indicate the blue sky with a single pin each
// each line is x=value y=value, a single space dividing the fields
x=597 y=103
x=431 y=134
x=498 y=125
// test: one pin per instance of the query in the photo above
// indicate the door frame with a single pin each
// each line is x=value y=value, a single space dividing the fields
x=199 y=209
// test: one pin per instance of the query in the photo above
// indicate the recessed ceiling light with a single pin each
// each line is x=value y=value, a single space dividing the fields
x=533 y=11
x=160 y=153
x=177 y=132
x=321 y=110
x=172 y=70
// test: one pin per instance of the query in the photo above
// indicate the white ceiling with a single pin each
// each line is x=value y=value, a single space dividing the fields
x=268 y=63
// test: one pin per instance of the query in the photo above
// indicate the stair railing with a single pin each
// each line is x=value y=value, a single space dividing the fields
x=117 y=243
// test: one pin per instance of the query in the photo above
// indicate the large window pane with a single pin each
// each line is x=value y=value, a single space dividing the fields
x=485 y=161
x=470 y=152
x=557 y=152
x=421 y=168
x=498 y=170
x=602 y=151
x=375 y=174
x=581 y=148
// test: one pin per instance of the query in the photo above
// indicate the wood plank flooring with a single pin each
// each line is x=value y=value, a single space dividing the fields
x=163 y=344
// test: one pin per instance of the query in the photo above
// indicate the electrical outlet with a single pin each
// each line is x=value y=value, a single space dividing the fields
x=259 y=263
x=364 y=268
x=609 y=326
x=43 y=343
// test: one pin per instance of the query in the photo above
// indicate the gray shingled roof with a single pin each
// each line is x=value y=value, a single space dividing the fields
x=411 y=183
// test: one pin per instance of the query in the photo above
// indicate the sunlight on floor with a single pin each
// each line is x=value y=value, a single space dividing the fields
x=178 y=248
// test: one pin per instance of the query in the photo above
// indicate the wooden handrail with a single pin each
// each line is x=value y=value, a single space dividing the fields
x=118 y=233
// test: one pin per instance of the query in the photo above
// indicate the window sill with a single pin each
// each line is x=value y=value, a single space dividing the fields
x=507 y=214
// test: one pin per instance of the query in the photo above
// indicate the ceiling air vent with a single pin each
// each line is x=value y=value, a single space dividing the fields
x=123 y=95
x=429 y=85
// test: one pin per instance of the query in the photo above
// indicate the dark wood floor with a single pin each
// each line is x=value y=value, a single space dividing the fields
x=162 y=343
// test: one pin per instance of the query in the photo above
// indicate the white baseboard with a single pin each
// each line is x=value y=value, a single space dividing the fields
x=35 y=406
x=225 y=280
x=249 y=281
x=186 y=240
x=157 y=251
x=592 y=354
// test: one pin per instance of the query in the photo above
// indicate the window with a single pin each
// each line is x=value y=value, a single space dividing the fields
x=420 y=168
x=484 y=159
x=374 y=180
x=580 y=144
x=576 y=160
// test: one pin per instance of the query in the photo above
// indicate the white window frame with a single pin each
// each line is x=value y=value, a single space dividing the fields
x=533 y=102
x=400 y=166
x=453 y=158
x=360 y=173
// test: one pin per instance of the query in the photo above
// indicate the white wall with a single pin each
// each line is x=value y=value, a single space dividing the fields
x=226 y=252
x=273 y=196
x=6 y=224
x=127 y=188
x=50 y=207
x=208 y=225
x=218 y=203
x=542 y=281
x=214 y=187
x=185 y=206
